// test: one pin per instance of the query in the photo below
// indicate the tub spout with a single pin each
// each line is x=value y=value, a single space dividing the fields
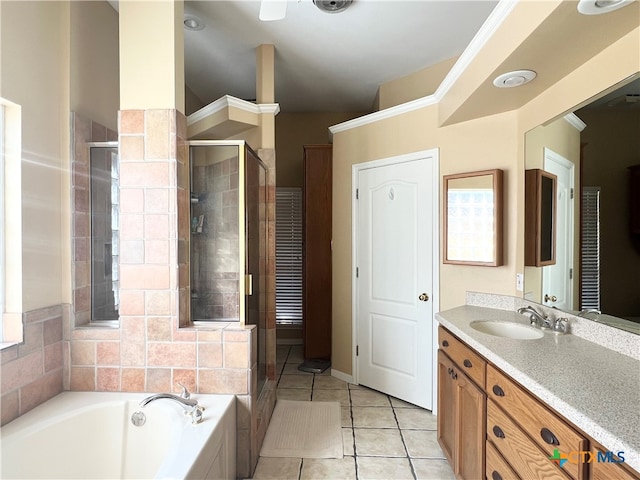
x=189 y=405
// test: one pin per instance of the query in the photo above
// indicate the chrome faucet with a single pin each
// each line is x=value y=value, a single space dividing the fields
x=189 y=405
x=536 y=318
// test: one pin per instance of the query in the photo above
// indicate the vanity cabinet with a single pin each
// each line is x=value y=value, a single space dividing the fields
x=491 y=427
x=540 y=193
x=461 y=403
x=527 y=433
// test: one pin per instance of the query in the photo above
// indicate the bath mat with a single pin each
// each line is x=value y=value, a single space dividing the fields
x=304 y=430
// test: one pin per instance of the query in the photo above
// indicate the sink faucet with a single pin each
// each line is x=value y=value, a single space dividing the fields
x=190 y=406
x=536 y=318
x=584 y=313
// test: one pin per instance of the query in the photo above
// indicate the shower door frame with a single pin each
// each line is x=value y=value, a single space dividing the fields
x=242 y=227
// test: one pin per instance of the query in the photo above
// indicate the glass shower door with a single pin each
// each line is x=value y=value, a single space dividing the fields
x=256 y=253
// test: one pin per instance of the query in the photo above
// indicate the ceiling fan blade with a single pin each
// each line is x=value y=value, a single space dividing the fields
x=272 y=10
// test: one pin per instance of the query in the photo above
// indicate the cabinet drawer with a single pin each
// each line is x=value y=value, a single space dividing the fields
x=524 y=455
x=497 y=467
x=473 y=365
x=543 y=426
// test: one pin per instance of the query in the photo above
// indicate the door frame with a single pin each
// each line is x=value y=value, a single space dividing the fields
x=434 y=160
x=552 y=157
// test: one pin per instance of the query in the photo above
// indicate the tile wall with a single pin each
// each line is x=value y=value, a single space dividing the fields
x=32 y=372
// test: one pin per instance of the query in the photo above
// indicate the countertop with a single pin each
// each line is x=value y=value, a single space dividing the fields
x=593 y=387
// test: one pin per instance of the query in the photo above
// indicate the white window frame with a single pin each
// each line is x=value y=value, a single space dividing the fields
x=11 y=331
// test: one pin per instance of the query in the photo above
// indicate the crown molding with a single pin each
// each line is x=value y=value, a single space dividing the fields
x=575 y=121
x=228 y=101
x=494 y=20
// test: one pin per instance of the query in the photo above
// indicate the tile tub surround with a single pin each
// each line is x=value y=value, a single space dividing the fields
x=612 y=338
x=593 y=387
x=32 y=371
x=155 y=345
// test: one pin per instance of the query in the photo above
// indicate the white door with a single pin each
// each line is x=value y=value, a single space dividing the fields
x=395 y=265
x=557 y=281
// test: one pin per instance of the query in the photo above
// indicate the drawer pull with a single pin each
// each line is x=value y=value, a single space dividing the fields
x=497 y=431
x=445 y=343
x=498 y=390
x=548 y=436
x=467 y=363
x=495 y=476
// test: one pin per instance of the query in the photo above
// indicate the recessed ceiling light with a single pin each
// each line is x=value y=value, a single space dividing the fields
x=514 y=79
x=597 y=7
x=193 y=23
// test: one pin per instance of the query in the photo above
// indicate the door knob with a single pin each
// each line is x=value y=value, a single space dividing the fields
x=552 y=298
x=423 y=297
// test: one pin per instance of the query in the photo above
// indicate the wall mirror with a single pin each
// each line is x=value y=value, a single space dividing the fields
x=473 y=218
x=596 y=269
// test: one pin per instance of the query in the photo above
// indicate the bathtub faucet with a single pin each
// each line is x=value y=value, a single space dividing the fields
x=189 y=405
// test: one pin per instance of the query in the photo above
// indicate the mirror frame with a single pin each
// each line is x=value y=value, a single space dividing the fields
x=498 y=215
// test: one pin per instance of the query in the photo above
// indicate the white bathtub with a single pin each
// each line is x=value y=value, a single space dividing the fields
x=90 y=435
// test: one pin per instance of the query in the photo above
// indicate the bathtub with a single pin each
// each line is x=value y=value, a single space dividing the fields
x=90 y=435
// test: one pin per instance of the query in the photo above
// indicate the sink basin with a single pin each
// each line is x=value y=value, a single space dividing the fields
x=513 y=330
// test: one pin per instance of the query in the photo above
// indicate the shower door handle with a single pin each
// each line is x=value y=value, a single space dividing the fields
x=248 y=284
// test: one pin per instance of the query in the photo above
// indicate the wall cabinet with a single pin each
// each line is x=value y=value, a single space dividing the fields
x=540 y=190
x=491 y=427
x=316 y=257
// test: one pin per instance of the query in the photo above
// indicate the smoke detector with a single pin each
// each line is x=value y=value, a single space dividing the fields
x=514 y=79
x=332 y=6
x=597 y=7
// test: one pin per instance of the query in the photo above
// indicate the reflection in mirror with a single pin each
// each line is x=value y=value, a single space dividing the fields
x=602 y=263
x=473 y=218
x=105 y=245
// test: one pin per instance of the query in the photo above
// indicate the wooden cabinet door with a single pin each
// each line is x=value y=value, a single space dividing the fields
x=461 y=420
x=446 y=407
x=316 y=261
x=471 y=428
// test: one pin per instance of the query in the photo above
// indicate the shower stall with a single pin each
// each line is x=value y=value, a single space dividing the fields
x=228 y=251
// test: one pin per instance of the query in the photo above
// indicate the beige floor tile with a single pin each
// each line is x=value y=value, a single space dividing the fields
x=277 y=469
x=374 y=417
x=295 y=381
x=328 y=468
x=416 y=418
x=292 y=369
x=301 y=394
x=422 y=443
x=353 y=386
x=384 y=468
x=341 y=396
x=346 y=417
x=428 y=469
x=347 y=441
x=379 y=442
x=323 y=382
x=296 y=354
x=369 y=398
x=397 y=403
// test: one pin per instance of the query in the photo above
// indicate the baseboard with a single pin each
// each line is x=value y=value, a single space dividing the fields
x=342 y=376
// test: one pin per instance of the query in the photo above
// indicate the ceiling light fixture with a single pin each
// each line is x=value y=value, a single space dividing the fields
x=332 y=6
x=597 y=7
x=514 y=79
x=193 y=23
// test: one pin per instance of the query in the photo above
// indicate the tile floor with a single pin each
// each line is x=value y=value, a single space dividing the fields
x=384 y=438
